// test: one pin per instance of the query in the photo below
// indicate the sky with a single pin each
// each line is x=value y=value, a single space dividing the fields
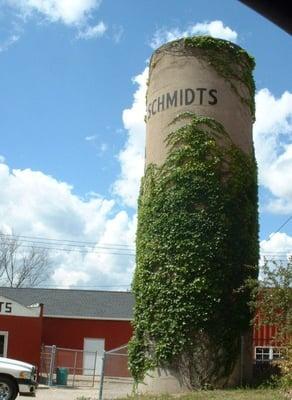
x=72 y=133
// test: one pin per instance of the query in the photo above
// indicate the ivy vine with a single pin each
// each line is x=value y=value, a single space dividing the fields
x=197 y=236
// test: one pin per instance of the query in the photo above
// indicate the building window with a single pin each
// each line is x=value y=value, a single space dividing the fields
x=3 y=343
x=263 y=354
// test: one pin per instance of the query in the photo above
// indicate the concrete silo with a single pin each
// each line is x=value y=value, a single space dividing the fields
x=197 y=234
x=203 y=80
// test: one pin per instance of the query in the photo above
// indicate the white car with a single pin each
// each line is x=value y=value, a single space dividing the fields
x=16 y=377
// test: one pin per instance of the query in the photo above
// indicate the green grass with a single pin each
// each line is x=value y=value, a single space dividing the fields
x=235 y=394
x=238 y=394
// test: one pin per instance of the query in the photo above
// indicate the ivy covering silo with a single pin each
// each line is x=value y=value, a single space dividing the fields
x=197 y=237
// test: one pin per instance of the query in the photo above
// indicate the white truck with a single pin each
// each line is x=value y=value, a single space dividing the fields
x=16 y=377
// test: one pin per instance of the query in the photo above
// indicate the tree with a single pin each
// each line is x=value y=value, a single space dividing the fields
x=22 y=265
x=273 y=303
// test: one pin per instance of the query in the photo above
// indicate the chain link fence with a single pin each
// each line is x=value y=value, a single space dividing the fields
x=115 y=374
x=108 y=373
x=68 y=367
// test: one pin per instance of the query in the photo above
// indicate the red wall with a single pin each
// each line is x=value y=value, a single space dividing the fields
x=116 y=366
x=70 y=333
x=265 y=336
x=24 y=337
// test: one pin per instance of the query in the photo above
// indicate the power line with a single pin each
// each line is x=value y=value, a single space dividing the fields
x=77 y=250
x=68 y=242
x=83 y=249
x=69 y=246
x=277 y=253
x=278 y=230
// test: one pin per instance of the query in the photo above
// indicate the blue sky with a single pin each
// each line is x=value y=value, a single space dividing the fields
x=72 y=90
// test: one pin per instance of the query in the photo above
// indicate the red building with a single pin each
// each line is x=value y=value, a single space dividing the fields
x=72 y=319
x=266 y=345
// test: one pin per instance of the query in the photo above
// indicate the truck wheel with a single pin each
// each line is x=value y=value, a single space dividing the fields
x=8 y=389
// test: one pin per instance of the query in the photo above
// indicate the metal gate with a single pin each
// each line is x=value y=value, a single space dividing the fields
x=53 y=359
x=115 y=371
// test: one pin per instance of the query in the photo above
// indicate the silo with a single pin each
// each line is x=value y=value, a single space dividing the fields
x=209 y=78
x=197 y=238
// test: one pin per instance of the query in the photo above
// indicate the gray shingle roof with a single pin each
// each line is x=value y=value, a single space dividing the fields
x=75 y=303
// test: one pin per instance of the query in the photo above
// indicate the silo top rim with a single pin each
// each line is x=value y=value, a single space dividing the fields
x=190 y=44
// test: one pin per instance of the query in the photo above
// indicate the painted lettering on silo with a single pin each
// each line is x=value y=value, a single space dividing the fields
x=182 y=79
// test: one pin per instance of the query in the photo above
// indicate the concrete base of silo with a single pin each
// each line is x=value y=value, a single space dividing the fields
x=161 y=381
x=166 y=381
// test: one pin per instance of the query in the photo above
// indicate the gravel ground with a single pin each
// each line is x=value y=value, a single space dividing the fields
x=112 y=390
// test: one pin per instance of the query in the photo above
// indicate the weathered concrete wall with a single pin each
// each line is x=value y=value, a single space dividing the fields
x=167 y=381
x=161 y=381
x=186 y=75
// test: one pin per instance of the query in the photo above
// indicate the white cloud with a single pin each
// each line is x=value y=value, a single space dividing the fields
x=103 y=148
x=43 y=205
x=92 y=32
x=213 y=28
x=62 y=277
x=2 y=159
x=132 y=156
x=74 y=13
x=120 y=230
x=106 y=265
x=273 y=146
x=118 y=31
x=9 y=42
x=277 y=245
x=91 y=138
x=70 y=12
x=35 y=204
